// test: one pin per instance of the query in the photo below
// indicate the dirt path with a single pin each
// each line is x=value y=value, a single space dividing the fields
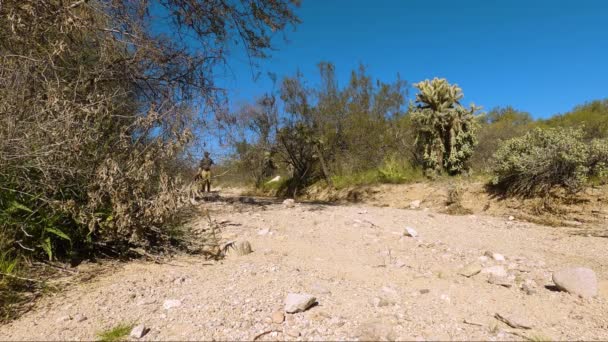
x=370 y=281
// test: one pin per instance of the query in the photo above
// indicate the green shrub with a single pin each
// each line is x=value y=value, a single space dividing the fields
x=540 y=161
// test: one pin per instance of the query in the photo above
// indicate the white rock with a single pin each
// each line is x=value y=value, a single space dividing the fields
x=577 y=280
x=138 y=331
x=171 y=303
x=415 y=204
x=497 y=271
x=263 y=231
x=296 y=302
x=80 y=318
x=511 y=218
x=409 y=231
x=498 y=257
x=289 y=203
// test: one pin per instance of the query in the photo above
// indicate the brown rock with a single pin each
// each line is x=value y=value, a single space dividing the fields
x=278 y=317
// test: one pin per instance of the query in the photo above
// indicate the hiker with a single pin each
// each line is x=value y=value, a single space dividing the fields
x=205 y=172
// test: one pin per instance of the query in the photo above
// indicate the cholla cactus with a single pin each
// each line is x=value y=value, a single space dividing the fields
x=446 y=129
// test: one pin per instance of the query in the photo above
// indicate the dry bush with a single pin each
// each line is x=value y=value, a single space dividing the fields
x=454 y=200
x=95 y=112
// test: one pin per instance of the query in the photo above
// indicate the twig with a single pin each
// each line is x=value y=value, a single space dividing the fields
x=21 y=278
x=265 y=333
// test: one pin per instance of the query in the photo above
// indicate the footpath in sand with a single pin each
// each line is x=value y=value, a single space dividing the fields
x=370 y=281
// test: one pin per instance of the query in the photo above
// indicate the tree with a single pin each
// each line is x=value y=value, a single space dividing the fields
x=96 y=109
x=445 y=129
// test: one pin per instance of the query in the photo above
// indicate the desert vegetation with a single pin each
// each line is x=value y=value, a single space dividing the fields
x=100 y=102
x=366 y=133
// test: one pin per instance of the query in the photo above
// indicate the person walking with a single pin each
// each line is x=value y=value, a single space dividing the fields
x=205 y=172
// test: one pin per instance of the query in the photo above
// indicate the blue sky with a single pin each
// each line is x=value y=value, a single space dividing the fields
x=540 y=56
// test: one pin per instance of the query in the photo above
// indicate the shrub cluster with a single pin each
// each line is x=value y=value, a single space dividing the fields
x=543 y=159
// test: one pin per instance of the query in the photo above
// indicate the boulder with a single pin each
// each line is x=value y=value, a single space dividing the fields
x=579 y=281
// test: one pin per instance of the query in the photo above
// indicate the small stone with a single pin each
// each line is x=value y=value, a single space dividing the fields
x=445 y=298
x=415 y=204
x=138 y=331
x=380 y=302
x=278 y=317
x=579 y=281
x=411 y=232
x=513 y=321
x=502 y=281
x=295 y=302
x=528 y=288
x=263 y=231
x=483 y=258
x=80 y=318
x=470 y=269
x=146 y=302
x=498 y=257
x=424 y=291
x=64 y=318
x=171 y=303
x=497 y=271
x=511 y=218
x=289 y=203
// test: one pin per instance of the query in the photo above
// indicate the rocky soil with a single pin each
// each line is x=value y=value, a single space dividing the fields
x=375 y=274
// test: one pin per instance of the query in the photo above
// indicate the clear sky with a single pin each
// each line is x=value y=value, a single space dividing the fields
x=540 y=56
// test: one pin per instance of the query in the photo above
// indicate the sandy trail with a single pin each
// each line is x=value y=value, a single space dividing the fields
x=370 y=281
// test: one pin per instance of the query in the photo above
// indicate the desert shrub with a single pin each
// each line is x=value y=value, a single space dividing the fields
x=598 y=159
x=445 y=129
x=497 y=126
x=95 y=113
x=541 y=160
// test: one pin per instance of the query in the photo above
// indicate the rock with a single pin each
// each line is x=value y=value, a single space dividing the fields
x=511 y=218
x=264 y=231
x=411 y=232
x=445 y=298
x=296 y=302
x=138 y=331
x=497 y=271
x=502 y=281
x=528 y=288
x=80 y=318
x=580 y=281
x=424 y=291
x=513 y=321
x=289 y=203
x=498 y=257
x=171 y=303
x=278 y=317
x=64 y=319
x=470 y=269
x=415 y=204
x=380 y=302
